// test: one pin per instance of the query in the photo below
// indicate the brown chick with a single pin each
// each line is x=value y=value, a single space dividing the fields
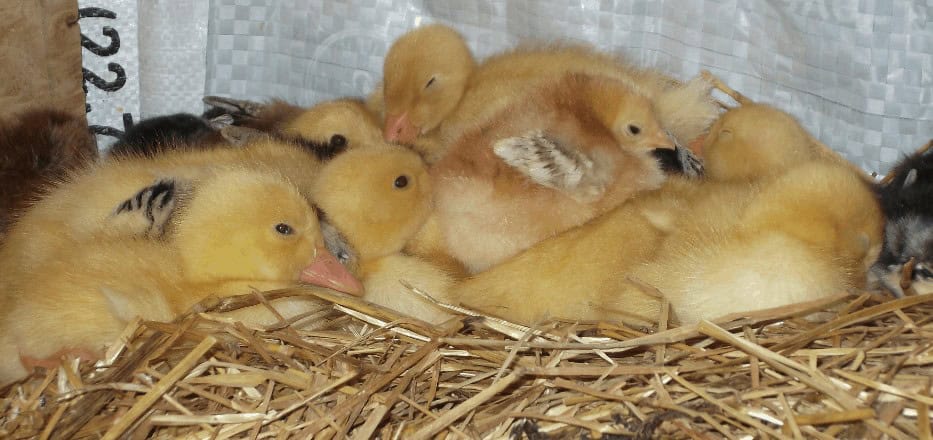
x=378 y=198
x=570 y=151
x=264 y=236
x=37 y=148
x=805 y=229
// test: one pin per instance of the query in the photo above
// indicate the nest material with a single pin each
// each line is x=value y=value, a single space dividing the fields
x=842 y=367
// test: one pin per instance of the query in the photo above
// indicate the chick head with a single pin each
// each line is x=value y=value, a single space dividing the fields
x=378 y=197
x=754 y=141
x=341 y=123
x=246 y=225
x=424 y=77
x=630 y=115
x=906 y=260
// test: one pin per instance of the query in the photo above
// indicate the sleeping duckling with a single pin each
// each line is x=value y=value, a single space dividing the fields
x=570 y=151
x=424 y=76
x=378 y=198
x=710 y=247
x=908 y=232
x=37 y=148
x=809 y=233
x=266 y=236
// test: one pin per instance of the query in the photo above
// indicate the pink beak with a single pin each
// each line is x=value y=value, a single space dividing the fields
x=326 y=271
x=399 y=129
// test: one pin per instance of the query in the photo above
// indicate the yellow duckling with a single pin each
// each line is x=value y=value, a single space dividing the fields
x=379 y=198
x=262 y=236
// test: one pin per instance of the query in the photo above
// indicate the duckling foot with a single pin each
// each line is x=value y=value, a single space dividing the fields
x=148 y=211
x=337 y=244
x=680 y=160
x=552 y=164
x=234 y=106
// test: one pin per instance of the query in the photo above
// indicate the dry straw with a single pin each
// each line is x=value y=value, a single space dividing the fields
x=842 y=367
x=849 y=366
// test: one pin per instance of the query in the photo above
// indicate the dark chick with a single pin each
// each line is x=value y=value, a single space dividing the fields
x=907 y=201
x=155 y=135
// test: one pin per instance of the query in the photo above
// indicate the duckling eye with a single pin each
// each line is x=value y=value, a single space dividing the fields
x=430 y=81
x=284 y=229
x=338 y=140
x=633 y=129
x=401 y=182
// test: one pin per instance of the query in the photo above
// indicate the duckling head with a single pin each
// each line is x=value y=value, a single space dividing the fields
x=629 y=114
x=424 y=76
x=378 y=197
x=754 y=141
x=243 y=225
x=341 y=123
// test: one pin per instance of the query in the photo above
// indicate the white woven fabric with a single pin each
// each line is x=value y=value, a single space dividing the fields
x=858 y=73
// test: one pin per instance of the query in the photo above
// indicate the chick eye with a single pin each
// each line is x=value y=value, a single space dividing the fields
x=284 y=229
x=338 y=140
x=633 y=129
x=343 y=257
x=401 y=182
x=430 y=81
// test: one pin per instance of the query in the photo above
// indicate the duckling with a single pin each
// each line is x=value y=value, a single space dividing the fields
x=37 y=148
x=809 y=233
x=345 y=123
x=908 y=232
x=424 y=76
x=570 y=151
x=378 y=198
x=268 y=238
x=77 y=210
x=684 y=110
x=709 y=246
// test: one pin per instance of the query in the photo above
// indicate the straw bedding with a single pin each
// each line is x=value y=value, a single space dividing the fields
x=843 y=367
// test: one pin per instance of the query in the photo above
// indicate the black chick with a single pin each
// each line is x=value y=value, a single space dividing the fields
x=907 y=201
x=152 y=136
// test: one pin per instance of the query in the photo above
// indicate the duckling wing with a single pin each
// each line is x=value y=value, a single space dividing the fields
x=147 y=212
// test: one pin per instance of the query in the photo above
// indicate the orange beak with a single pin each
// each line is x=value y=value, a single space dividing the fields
x=659 y=139
x=326 y=271
x=399 y=129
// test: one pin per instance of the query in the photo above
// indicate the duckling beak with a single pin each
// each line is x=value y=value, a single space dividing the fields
x=326 y=271
x=660 y=140
x=399 y=129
